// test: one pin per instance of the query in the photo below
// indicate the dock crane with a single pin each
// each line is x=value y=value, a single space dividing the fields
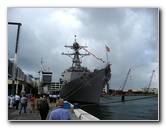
x=126 y=79
x=121 y=91
x=150 y=81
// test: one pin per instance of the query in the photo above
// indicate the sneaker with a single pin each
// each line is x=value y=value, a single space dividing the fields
x=19 y=112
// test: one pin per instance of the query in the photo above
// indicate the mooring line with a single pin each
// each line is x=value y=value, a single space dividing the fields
x=118 y=101
x=130 y=99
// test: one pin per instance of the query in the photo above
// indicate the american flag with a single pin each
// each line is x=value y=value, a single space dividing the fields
x=107 y=48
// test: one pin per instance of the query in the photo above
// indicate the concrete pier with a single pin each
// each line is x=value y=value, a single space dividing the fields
x=77 y=114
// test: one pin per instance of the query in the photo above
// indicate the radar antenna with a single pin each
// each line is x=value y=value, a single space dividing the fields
x=76 y=59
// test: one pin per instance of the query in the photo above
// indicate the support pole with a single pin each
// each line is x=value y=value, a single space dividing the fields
x=16 y=54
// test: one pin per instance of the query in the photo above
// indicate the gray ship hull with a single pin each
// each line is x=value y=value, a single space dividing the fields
x=87 y=88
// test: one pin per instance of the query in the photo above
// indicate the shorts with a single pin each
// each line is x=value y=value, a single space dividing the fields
x=32 y=105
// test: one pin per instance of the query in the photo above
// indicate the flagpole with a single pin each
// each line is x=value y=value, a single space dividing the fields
x=106 y=54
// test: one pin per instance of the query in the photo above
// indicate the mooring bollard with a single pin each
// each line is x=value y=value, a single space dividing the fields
x=76 y=105
x=123 y=98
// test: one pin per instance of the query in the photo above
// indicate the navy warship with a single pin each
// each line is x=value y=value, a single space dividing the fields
x=79 y=84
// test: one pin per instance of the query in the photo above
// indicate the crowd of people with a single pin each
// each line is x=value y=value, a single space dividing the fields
x=39 y=104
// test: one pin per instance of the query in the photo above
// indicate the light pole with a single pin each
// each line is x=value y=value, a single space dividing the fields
x=16 y=54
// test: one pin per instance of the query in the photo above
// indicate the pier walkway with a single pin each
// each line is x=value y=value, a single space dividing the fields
x=15 y=116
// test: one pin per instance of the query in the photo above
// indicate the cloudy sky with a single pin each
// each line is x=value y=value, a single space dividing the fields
x=130 y=33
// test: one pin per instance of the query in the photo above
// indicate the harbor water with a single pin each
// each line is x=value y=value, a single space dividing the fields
x=134 y=108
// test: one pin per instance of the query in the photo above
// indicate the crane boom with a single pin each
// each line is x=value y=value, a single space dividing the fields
x=126 y=79
x=150 y=80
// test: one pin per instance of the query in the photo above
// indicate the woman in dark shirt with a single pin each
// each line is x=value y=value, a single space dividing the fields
x=44 y=109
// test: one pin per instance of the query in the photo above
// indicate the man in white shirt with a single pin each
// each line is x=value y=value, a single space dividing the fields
x=11 y=100
x=50 y=98
x=54 y=98
x=17 y=100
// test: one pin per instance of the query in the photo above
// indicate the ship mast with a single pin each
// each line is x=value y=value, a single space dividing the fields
x=76 y=59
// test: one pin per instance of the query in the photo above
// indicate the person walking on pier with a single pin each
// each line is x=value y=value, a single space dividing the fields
x=44 y=109
x=17 y=100
x=11 y=101
x=23 y=104
x=32 y=99
x=54 y=98
x=60 y=113
x=38 y=102
x=50 y=98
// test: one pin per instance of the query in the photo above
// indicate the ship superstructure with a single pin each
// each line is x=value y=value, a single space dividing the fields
x=79 y=84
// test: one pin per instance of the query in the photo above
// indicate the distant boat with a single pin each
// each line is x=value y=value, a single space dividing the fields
x=81 y=85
